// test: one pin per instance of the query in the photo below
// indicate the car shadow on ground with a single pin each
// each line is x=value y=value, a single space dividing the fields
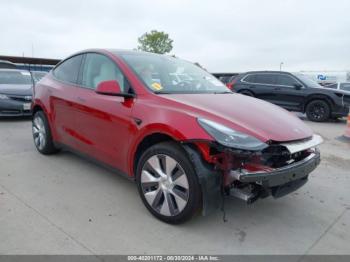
x=15 y=119
x=303 y=117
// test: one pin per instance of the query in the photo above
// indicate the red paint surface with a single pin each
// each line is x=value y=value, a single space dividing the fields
x=104 y=127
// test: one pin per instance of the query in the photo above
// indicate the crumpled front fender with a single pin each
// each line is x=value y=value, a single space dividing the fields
x=209 y=179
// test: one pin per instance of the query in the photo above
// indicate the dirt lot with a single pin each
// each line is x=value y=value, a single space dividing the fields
x=63 y=204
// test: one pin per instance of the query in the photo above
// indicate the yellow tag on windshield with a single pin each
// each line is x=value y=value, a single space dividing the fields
x=157 y=86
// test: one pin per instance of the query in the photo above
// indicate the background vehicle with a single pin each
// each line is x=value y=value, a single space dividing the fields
x=340 y=86
x=294 y=92
x=15 y=92
x=181 y=141
x=7 y=65
x=225 y=77
x=37 y=75
x=326 y=78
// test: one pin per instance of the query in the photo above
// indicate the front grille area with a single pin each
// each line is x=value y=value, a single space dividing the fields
x=20 y=98
x=10 y=112
x=276 y=156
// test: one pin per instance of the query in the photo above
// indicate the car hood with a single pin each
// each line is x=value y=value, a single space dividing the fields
x=25 y=90
x=252 y=116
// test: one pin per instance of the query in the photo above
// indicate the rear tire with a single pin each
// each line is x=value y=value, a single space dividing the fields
x=42 y=134
x=318 y=111
x=168 y=184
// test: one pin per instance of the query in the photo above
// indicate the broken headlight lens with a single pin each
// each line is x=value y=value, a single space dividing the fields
x=231 y=138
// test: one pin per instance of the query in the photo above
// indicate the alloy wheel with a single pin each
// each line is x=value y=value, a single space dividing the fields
x=165 y=185
x=39 y=133
x=317 y=111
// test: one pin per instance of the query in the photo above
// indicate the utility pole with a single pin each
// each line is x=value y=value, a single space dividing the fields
x=281 y=64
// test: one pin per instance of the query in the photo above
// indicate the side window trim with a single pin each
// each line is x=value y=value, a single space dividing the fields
x=66 y=82
x=272 y=84
x=292 y=77
x=81 y=71
x=255 y=83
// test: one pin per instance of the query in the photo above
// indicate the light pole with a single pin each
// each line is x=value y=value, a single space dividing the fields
x=281 y=64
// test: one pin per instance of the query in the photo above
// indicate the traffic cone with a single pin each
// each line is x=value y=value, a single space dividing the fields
x=347 y=131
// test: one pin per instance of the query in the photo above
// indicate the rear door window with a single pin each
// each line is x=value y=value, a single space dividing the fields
x=68 y=71
x=249 y=78
x=286 y=80
x=267 y=79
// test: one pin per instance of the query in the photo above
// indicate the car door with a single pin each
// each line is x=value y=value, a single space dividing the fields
x=262 y=85
x=105 y=122
x=62 y=93
x=290 y=92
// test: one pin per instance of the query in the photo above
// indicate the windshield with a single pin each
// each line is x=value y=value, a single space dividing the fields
x=308 y=81
x=163 y=74
x=15 y=78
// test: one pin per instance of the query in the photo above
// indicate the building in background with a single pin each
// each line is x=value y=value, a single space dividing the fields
x=7 y=65
x=28 y=63
x=328 y=77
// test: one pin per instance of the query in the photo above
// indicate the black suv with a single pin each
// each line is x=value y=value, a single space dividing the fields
x=295 y=92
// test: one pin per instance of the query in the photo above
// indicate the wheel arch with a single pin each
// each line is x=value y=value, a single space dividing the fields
x=314 y=97
x=37 y=108
x=210 y=180
x=146 y=142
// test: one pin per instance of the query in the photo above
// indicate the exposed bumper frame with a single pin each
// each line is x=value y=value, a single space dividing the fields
x=280 y=176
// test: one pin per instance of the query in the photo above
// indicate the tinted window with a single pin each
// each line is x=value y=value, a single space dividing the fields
x=286 y=80
x=307 y=81
x=15 y=78
x=68 y=71
x=265 y=79
x=98 y=68
x=249 y=79
x=345 y=86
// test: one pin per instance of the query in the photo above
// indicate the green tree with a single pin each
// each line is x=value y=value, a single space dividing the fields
x=155 y=42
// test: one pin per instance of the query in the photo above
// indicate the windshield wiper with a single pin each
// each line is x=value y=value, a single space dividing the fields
x=162 y=93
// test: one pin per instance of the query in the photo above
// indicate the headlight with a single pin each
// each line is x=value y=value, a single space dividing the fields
x=231 y=138
x=3 y=96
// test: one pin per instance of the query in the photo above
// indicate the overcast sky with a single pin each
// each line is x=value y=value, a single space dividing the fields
x=222 y=35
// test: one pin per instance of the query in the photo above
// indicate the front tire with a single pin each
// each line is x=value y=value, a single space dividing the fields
x=318 y=111
x=168 y=184
x=42 y=134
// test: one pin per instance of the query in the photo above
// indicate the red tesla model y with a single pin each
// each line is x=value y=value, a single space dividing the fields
x=179 y=133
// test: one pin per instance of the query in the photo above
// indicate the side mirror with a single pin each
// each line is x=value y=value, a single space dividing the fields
x=298 y=86
x=111 y=88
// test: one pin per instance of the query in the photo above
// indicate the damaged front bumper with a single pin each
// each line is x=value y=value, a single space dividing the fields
x=281 y=175
x=277 y=182
x=276 y=171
